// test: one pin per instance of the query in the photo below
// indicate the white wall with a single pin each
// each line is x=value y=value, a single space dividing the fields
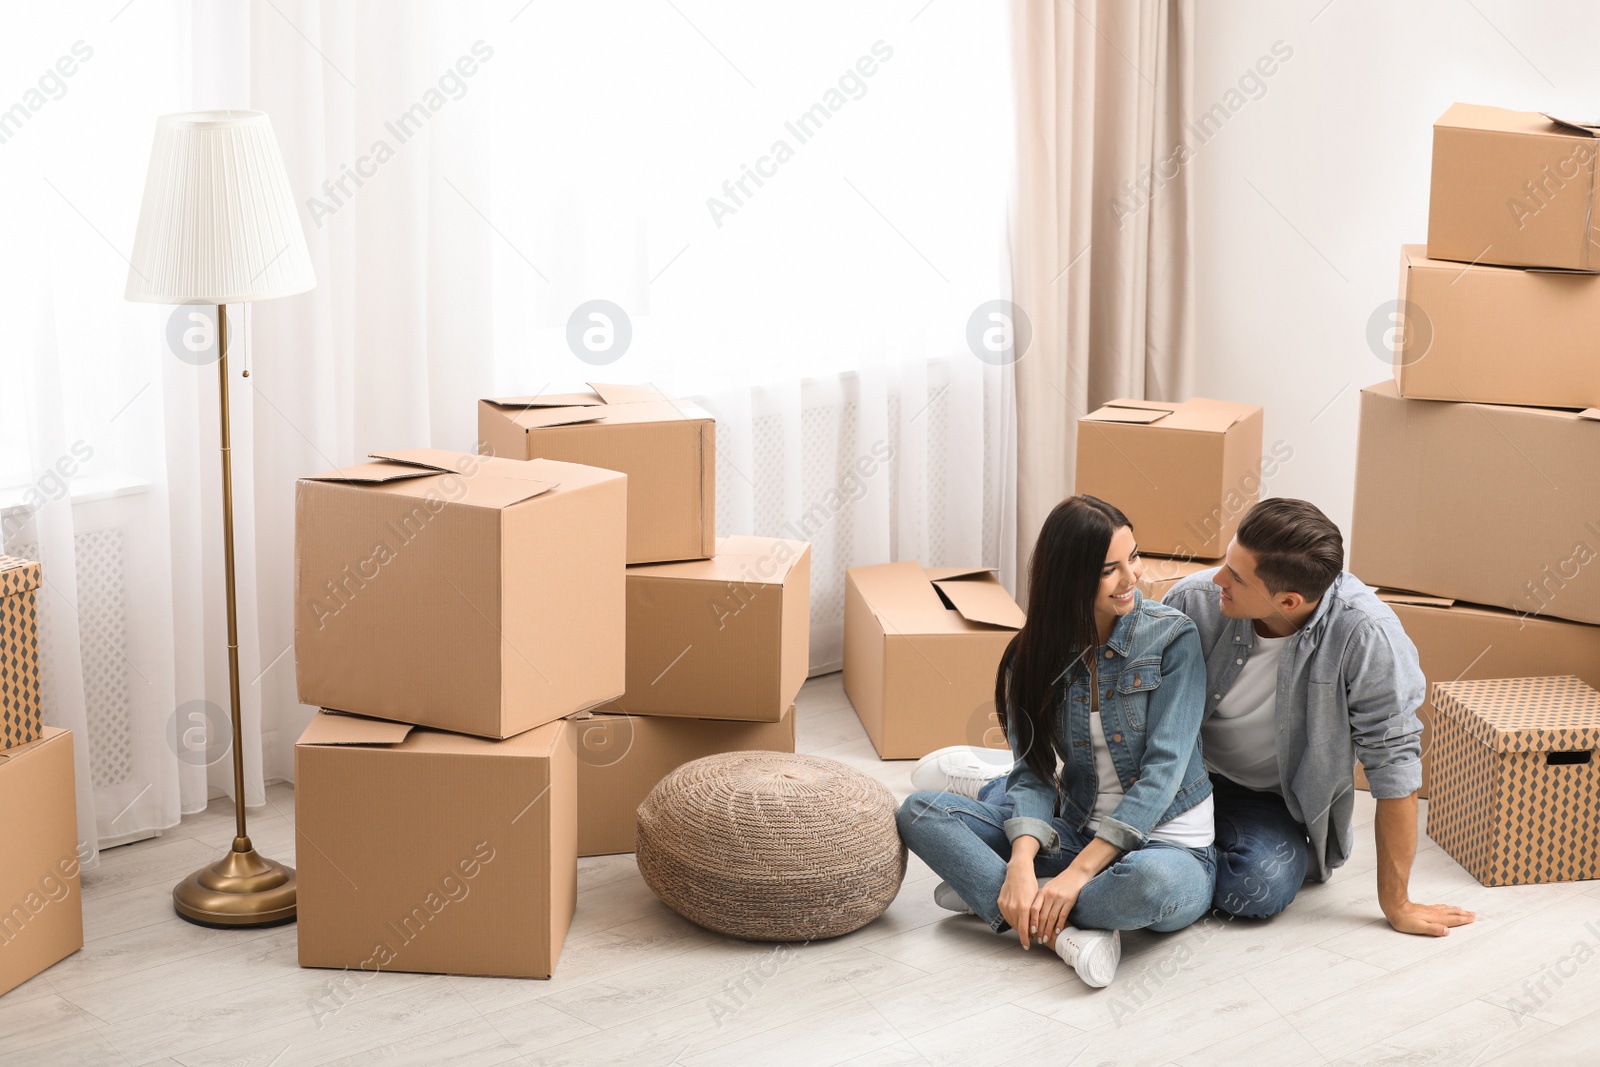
x=1337 y=149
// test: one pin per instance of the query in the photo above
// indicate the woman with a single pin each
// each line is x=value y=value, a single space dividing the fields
x=1113 y=687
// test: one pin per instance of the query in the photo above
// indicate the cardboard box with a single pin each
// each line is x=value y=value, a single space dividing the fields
x=1515 y=188
x=922 y=646
x=1461 y=642
x=622 y=757
x=1161 y=573
x=1497 y=335
x=1184 y=474
x=21 y=710
x=41 y=902
x=721 y=638
x=458 y=591
x=419 y=850
x=1516 y=795
x=667 y=448
x=1493 y=505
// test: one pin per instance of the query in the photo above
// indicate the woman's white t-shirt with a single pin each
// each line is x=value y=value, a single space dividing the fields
x=1195 y=828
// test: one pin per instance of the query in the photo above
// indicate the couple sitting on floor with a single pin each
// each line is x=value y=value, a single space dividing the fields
x=1172 y=757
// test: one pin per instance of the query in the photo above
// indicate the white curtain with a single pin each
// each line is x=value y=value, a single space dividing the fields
x=1102 y=227
x=103 y=473
x=474 y=174
x=470 y=175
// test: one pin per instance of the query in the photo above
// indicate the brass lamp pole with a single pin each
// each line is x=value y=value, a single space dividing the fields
x=243 y=888
x=219 y=225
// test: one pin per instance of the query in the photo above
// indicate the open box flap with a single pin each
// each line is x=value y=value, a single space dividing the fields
x=1421 y=600
x=535 y=418
x=985 y=602
x=372 y=473
x=550 y=409
x=908 y=599
x=338 y=728
x=900 y=595
x=1591 y=129
x=546 y=400
x=1142 y=412
x=490 y=482
x=1196 y=413
x=940 y=574
x=439 y=460
x=393 y=466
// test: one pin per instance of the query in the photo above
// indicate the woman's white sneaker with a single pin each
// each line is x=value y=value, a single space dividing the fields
x=1094 y=954
x=945 y=895
x=960 y=769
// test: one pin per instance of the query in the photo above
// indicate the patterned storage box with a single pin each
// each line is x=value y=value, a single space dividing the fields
x=21 y=712
x=1516 y=785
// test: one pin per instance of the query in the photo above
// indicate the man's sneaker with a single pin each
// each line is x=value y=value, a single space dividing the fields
x=1094 y=954
x=945 y=895
x=960 y=769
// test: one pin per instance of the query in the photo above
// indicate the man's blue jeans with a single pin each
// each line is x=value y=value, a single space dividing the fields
x=1159 y=887
x=1262 y=852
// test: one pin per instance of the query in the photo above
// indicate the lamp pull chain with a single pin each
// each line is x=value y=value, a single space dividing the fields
x=247 y=340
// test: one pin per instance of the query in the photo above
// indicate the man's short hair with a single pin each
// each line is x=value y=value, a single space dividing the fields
x=1297 y=548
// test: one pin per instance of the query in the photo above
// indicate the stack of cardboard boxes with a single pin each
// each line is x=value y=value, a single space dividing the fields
x=922 y=645
x=501 y=688
x=41 y=904
x=1477 y=489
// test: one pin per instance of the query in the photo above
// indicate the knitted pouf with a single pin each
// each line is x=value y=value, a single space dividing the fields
x=769 y=846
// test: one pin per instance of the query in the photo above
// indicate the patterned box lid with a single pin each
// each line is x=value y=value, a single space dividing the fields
x=18 y=575
x=1559 y=713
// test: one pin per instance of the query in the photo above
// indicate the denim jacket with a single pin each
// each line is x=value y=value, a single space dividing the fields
x=1152 y=678
x=1349 y=686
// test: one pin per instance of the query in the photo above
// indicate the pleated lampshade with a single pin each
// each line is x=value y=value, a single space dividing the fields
x=218 y=223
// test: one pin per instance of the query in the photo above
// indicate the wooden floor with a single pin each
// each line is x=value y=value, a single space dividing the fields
x=1327 y=982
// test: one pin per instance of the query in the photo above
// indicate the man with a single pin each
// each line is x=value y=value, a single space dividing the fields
x=1307 y=670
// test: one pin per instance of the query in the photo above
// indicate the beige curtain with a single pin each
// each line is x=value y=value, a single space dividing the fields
x=1100 y=224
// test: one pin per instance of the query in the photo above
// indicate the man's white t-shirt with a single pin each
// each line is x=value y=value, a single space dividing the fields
x=1195 y=828
x=1240 y=738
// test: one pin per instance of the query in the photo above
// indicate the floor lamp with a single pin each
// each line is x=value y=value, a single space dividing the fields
x=218 y=225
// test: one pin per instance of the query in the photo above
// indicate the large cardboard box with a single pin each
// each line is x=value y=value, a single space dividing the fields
x=1515 y=188
x=1462 y=642
x=1496 y=334
x=667 y=448
x=21 y=710
x=42 y=917
x=720 y=638
x=1516 y=795
x=459 y=591
x=922 y=646
x=1184 y=473
x=622 y=757
x=418 y=850
x=1161 y=573
x=1492 y=505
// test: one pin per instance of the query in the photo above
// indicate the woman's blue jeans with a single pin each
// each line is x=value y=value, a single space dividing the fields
x=1160 y=887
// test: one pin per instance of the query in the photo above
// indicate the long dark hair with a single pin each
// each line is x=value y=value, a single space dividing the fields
x=1060 y=633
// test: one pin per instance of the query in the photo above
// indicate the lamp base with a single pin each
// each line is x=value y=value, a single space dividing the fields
x=242 y=889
